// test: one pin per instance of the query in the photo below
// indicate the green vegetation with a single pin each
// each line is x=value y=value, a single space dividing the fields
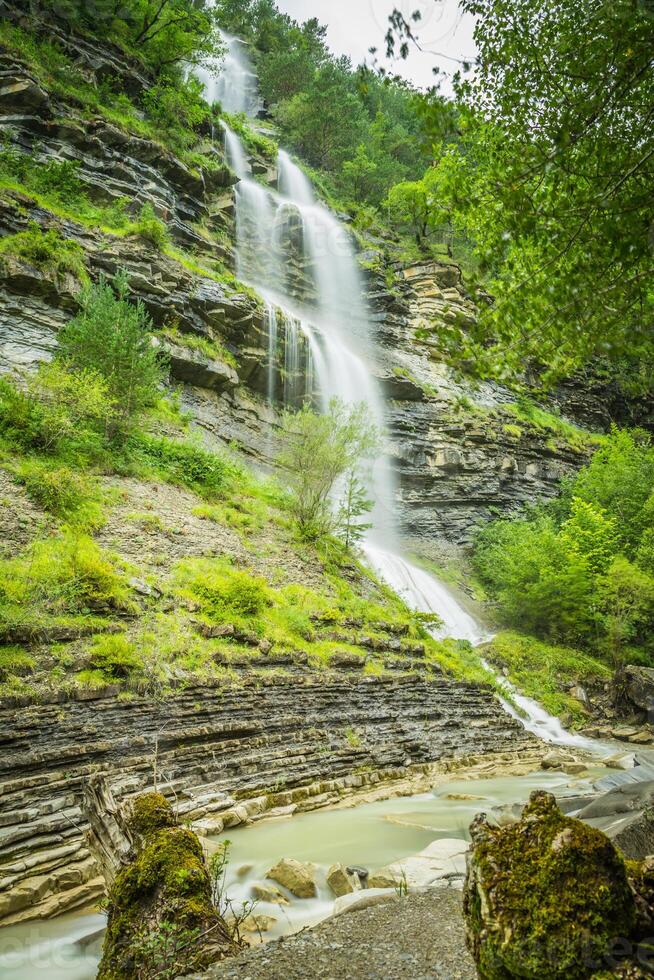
x=551 y=179
x=161 y=916
x=364 y=131
x=111 y=337
x=580 y=570
x=150 y=228
x=159 y=33
x=59 y=578
x=47 y=250
x=317 y=450
x=543 y=671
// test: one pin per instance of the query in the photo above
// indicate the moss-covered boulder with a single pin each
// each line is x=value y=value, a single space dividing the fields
x=161 y=918
x=545 y=897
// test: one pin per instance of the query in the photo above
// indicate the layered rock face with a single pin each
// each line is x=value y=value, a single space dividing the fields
x=220 y=752
x=458 y=458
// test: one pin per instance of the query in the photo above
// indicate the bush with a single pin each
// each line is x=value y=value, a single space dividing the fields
x=150 y=228
x=69 y=495
x=112 y=338
x=114 y=656
x=316 y=451
x=67 y=575
x=566 y=572
x=61 y=412
x=47 y=250
x=224 y=591
x=185 y=463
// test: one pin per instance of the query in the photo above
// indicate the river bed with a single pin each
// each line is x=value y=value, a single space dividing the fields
x=370 y=835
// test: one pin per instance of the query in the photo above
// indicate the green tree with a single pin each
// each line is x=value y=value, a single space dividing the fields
x=317 y=450
x=111 y=337
x=358 y=174
x=626 y=609
x=556 y=169
x=354 y=505
x=326 y=119
x=408 y=204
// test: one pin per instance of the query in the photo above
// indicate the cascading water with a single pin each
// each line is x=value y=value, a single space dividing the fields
x=230 y=80
x=300 y=258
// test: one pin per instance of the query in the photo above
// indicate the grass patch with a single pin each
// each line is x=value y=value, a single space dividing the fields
x=47 y=250
x=546 y=422
x=212 y=349
x=61 y=577
x=542 y=671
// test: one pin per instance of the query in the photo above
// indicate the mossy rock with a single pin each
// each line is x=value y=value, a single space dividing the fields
x=161 y=918
x=544 y=897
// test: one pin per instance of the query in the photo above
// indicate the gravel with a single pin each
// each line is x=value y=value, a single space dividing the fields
x=418 y=937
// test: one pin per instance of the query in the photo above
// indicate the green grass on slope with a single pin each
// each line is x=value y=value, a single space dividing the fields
x=545 y=672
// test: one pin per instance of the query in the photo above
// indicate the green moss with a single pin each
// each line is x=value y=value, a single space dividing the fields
x=545 y=896
x=166 y=885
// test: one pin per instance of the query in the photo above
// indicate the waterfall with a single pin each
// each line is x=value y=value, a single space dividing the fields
x=230 y=80
x=301 y=260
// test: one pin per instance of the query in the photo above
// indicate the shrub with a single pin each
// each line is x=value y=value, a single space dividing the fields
x=626 y=604
x=224 y=591
x=150 y=228
x=47 y=250
x=185 y=463
x=61 y=412
x=566 y=571
x=112 y=338
x=66 y=575
x=69 y=495
x=316 y=451
x=114 y=656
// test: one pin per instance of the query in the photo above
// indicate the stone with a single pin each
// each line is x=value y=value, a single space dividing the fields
x=162 y=878
x=268 y=893
x=383 y=879
x=643 y=737
x=636 y=685
x=340 y=882
x=257 y=922
x=544 y=895
x=557 y=759
x=298 y=877
x=363 y=899
x=445 y=857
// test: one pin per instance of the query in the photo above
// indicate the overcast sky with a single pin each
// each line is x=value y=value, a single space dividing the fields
x=356 y=25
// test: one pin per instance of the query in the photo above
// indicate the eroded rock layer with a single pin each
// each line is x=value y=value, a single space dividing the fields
x=228 y=752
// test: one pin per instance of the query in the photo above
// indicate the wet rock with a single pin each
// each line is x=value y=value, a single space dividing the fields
x=165 y=881
x=635 y=686
x=340 y=882
x=298 y=877
x=362 y=900
x=442 y=859
x=257 y=923
x=544 y=896
x=268 y=893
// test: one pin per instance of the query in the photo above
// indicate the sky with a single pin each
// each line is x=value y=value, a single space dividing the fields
x=356 y=25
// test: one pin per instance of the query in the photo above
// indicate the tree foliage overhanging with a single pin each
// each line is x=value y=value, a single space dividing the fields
x=554 y=175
